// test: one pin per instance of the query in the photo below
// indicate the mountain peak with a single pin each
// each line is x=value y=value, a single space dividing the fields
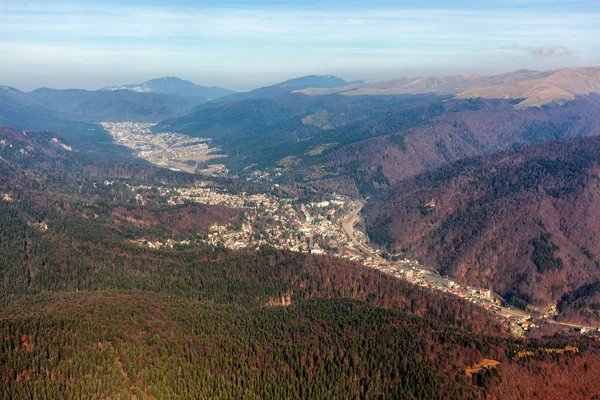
x=168 y=78
x=173 y=86
x=291 y=85
x=9 y=89
x=316 y=81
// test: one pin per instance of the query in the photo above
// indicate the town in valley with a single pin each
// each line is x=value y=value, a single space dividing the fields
x=327 y=226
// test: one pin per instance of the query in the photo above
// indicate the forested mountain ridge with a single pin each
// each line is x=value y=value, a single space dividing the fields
x=17 y=145
x=265 y=131
x=522 y=222
x=462 y=129
x=120 y=105
x=581 y=305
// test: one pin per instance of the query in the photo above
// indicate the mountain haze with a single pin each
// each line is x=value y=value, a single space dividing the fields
x=442 y=85
x=85 y=105
x=8 y=89
x=310 y=81
x=74 y=113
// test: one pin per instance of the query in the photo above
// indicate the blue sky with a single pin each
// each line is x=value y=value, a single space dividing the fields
x=246 y=44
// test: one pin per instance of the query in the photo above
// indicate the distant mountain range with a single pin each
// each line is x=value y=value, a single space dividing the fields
x=532 y=88
x=543 y=87
x=174 y=86
x=8 y=89
x=72 y=112
x=355 y=121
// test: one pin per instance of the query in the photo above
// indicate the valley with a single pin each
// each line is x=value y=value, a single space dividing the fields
x=325 y=227
x=328 y=227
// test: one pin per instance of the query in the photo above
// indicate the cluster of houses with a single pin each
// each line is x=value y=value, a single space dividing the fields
x=283 y=223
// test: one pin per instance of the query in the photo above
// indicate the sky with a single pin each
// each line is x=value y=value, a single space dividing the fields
x=245 y=44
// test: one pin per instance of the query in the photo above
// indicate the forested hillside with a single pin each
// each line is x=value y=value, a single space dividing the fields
x=523 y=222
x=582 y=305
x=461 y=129
x=265 y=131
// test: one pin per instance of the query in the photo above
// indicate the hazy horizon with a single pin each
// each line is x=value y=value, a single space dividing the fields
x=244 y=45
x=260 y=85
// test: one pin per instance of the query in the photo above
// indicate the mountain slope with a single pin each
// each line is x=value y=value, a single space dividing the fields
x=581 y=306
x=559 y=85
x=363 y=143
x=8 y=89
x=73 y=113
x=174 y=86
x=84 y=105
x=19 y=147
x=264 y=131
x=532 y=88
x=83 y=136
x=450 y=131
x=523 y=223
x=83 y=299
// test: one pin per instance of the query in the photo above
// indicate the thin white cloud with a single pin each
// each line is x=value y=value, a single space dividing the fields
x=551 y=51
